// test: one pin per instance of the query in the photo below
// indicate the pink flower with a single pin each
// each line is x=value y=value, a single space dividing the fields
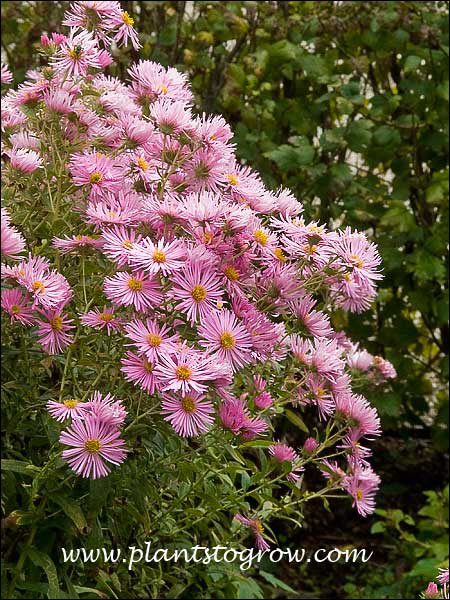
x=150 y=338
x=385 y=368
x=360 y=415
x=119 y=243
x=102 y=319
x=49 y=288
x=96 y=170
x=114 y=210
x=160 y=256
x=12 y=242
x=25 y=160
x=256 y=526
x=283 y=453
x=432 y=591
x=58 y=101
x=6 y=74
x=93 y=443
x=362 y=485
x=73 y=244
x=198 y=290
x=139 y=370
x=310 y=445
x=77 y=54
x=107 y=409
x=67 y=409
x=315 y=322
x=183 y=372
x=263 y=400
x=133 y=289
x=16 y=304
x=126 y=30
x=189 y=415
x=233 y=414
x=222 y=334
x=53 y=332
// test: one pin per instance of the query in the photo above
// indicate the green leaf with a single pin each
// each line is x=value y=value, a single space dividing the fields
x=72 y=510
x=277 y=582
x=18 y=466
x=412 y=63
x=45 y=562
x=296 y=420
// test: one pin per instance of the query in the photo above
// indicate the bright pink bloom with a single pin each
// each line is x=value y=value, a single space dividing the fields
x=151 y=339
x=126 y=30
x=73 y=244
x=139 y=371
x=17 y=305
x=133 y=289
x=233 y=414
x=184 y=371
x=119 y=243
x=310 y=445
x=53 y=332
x=67 y=409
x=283 y=453
x=93 y=443
x=189 y=415
x=198 y=291
x=102 y=319
x=263 y=400
x=362 y=485
x=107 y=409
x=76 y=55
x=360 y=415
x=160 y=256
x=222 y=334
x=256 y=526
x=12 y=242
x=6 y=74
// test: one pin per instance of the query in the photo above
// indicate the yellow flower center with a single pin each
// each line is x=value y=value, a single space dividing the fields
x=188 y=404
x=154 y=340
x=198 y=292
x=15 y=309
x=310 y=249
x=142 y=163
x=71 y=403
x=92 y=446
x=231 y=273
x=357 y=261
x=127 y=19
x=320 y=392
x=232 y=179
x=105 y=316
x=159 y=256
x=347 y=277
x=359 y=495
x=134 y=284
x=207 y=237
x=37 y=286
x=258 y=527
x=128 y=244
x=163 y=89
x=76 y=52
x=227 y=341
x=261 y=237
x=279 y=254
x=183 y=372
x=95 y=177
x=56 y=323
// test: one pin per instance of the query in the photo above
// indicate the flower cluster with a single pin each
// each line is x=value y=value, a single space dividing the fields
x=219 y=288
x=434 y=590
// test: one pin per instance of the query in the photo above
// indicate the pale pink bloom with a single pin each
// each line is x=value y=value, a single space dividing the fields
x=133 y=289
x=257 y=528
x=284 y=453
x=213 y=129
x=76 y=55
x=73 y=244
x=119 y=242
x=287 y=204
x=301 y=348
x=221 y=333
x=102 y=319
x=204 y=171
x=93 y=443
x=139 y=370
x=189 y=415
x=58 y=101
x=152 y=81
x=104 y=59
x=357 y=454
x=260 y=383
x=315 y=321
x=107 y=409
x=150 y=338
x=48 y=288
x=360 y=414
x=362 y=485
x=171 y=117
x=24 y=139
x=96 y=170
x=110 y=211
x=359 y=255
x=36 y=263
x=197 y=289
x=125 y=28
x=319 y=394
x=136 y=130
x=92 y=15
x=53 y=332
x=17 y=305
x=443 y=576
x=183 y=372
x=25 y=160
x=253 y=427
x=12 y=242
x=385 y=368
x=432 y=591
x=67 y=409
x=6 y=74
x=326 y=358
x=359 y=359
x=160 y=256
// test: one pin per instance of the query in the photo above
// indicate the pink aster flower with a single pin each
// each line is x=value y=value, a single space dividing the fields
x=443 y=576
x=183 y=372
x=125 y=28
x=102 y=319
x=160 y=256
x=133 y=289
x=253 y=427
x=326 y=358
x=114 y=210
x=67 y=409
x=189 y=415
x=12 y=242
x=58 y=101
x=432 y=591
x=359 y=255
x=93 y=443
x=233 y=414
x=257 y=528
x=48 y=288
x=260 y=383
x=384 y=367
x=359 y=359
x=310 y=445
x=357 y=454
x=25 y=160
x=263 y=400
x=284 y=453
x=118 y=244
x=73 y=244
x=222 y=334
x=107 y=409
x=96 y=170
x=362 y=485
x=17 y=305
x=53 y=332
x=77 y=54
x=139 y=370
x=315 y=321
x=6 y=74
x=151 y=339
x=360 y=414
x=198 y=291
